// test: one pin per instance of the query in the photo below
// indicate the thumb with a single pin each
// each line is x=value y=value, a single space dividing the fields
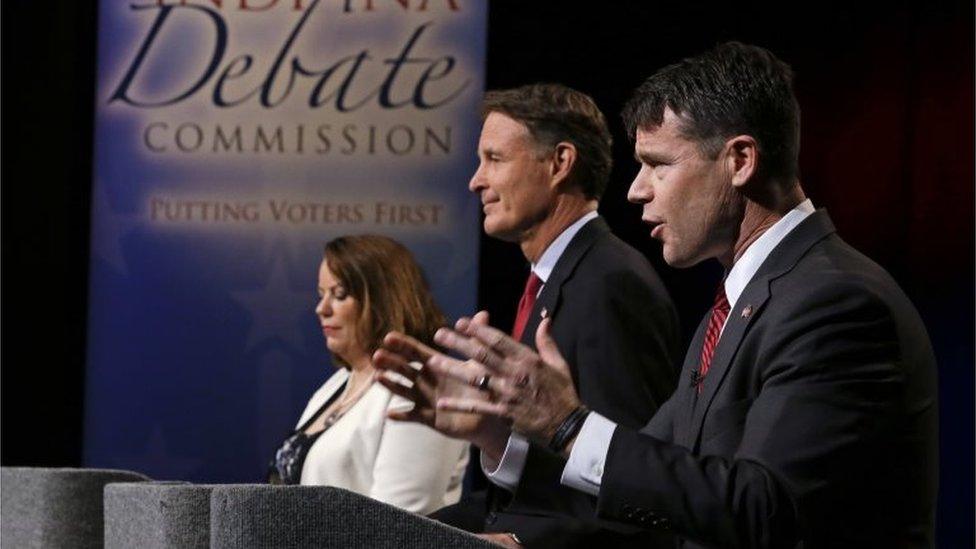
x=548 y=350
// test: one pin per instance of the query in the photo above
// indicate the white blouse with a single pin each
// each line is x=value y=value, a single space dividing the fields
x=404 y=464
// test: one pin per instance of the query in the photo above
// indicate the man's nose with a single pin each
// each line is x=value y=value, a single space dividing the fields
x=641 y=191
x=477 y=182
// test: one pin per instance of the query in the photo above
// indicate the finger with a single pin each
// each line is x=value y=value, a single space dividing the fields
x=469 y=347
x=498 y=341
x=468 y=373
x=407 y=347
x=548 y=350
x=392 y=362
x=409 y=393
x=472 y=406
x=481 y=317
x=424 y=416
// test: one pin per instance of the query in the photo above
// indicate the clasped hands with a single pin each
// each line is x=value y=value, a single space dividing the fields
x=503 y=386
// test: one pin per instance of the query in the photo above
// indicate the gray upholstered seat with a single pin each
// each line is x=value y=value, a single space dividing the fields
x=44 y=507
x=246 y=516
x=157 y=515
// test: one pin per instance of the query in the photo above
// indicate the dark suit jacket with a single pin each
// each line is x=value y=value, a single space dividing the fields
x=816 y=425
x=618 y=330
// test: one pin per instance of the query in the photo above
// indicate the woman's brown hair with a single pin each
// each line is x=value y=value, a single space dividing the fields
x=391 y=290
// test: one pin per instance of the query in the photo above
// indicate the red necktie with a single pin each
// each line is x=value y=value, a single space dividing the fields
x=532 y=286
x=720 y=311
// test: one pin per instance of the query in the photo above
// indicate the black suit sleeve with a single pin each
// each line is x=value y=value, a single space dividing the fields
x=830 y=380
x=661 y=425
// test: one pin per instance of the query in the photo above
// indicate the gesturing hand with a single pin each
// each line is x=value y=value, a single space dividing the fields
x=532 y=391
x=397 y=354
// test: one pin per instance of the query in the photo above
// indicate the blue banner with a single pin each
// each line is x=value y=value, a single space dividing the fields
x=233 y=139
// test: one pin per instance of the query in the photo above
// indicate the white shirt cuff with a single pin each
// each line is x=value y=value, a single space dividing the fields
x=584 y=469
x=509 y=470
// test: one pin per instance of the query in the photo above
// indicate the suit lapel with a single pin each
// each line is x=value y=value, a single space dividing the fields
x=753 y=299
x=748 y=308
x=547 y=303
x=684 y=435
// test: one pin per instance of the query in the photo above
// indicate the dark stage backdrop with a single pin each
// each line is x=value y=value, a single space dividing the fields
x=887 y=98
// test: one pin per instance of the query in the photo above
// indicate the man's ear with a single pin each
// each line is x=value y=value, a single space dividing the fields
x=742 y=159
x=563 y=160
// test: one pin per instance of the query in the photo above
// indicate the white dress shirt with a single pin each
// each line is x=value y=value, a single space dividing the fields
x=584 y=469
x=509 y=470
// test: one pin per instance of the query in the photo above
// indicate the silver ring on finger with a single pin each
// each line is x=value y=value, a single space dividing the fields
x=482 y=383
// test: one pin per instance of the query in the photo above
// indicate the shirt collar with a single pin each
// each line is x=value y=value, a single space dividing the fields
x=547 y=261
x=746 y=267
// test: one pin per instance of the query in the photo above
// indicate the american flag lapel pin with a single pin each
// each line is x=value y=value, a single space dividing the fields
x=747 y=311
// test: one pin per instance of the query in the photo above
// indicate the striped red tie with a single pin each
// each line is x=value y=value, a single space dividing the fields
x=525 y=305
x=720 y=311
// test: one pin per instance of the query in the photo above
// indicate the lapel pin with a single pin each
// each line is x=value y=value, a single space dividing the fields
x=544 y=313
x=747 y=311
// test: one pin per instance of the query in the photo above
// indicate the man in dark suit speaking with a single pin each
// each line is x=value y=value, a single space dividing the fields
x=806 y=414
x=544 y=163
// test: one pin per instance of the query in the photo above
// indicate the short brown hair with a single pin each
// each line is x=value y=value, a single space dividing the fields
x=554 y=113
x=390 y=287
x=730 y=90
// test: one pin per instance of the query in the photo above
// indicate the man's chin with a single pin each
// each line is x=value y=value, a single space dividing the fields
x=674 y=258
x=495 y=230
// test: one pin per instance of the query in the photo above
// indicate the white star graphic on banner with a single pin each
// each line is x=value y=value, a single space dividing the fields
x=276 y=310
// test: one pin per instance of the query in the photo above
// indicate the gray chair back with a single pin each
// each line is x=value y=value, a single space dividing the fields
x=157 y=515
x=50 y=508
x=287 y=517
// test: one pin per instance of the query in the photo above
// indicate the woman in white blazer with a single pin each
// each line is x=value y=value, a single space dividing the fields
x=368 y=286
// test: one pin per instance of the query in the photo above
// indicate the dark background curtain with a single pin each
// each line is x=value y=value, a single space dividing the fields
x=887 y=147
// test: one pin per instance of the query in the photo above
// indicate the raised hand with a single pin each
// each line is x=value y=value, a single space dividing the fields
x=402 y=354
x=532 y=391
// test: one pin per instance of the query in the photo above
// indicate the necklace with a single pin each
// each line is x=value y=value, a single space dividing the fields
x=349 y=397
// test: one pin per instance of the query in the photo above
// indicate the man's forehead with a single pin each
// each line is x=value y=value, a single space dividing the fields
x=499 y=128
x=651 y=139
x=647 y=134
x=667 y=134
x=502 y=121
